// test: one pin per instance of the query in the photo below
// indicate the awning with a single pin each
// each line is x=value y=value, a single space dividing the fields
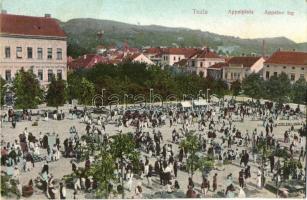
x=186 y=104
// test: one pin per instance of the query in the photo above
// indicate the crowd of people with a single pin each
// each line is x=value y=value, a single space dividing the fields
x=220 y=137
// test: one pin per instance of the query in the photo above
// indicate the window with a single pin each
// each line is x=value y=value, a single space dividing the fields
x=59 y=54
x=267 y=74
x=18 y=52
x=179 y=58
x=231 y=76
x=50 y=74
x=174 y=58
x=293 y=67
x=292 y=77
x=226 y=74
x=302 y=68
x=29 y=52
x=209 y=63
x=40 y=53
x=284 y=67
x=49 y=53
x=193 y=63
x=268 y=66
x=40 y=74
x=8 y=75
x=275 y=73
x=7 y=52
x=201 y=64
x=302 y=76
x=59 y=74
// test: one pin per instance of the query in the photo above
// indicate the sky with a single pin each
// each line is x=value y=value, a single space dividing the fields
x=289 y=20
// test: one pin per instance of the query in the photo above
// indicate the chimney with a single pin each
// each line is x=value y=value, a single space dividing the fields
x=47 y=15
x=3 y=12
x=263 y=48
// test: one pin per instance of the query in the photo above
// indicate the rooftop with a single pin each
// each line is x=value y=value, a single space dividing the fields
x=28 y=25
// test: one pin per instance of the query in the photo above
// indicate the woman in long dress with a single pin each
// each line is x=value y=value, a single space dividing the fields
x=130 y=179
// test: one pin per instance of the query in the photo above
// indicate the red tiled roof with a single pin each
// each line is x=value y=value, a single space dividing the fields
x=288 y=57
x=218 y=65
x=86 y=61
x=153 y=50
x=181 y=63
x=187 y=52
x=246 y=61
x=27 y=25
x=205 y=53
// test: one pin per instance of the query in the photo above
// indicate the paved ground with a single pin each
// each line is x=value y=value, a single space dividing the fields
x=63 y=166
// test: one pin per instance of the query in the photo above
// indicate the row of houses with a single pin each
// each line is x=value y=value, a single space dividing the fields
x=208 y=63
x=292 y=63
x=40 y=44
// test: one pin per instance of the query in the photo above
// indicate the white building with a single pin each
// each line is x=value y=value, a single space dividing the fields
x=36 y=43
x=240 y=67
x=170 y=56
x=201 y=60
x=294 y=64
x=140 y=58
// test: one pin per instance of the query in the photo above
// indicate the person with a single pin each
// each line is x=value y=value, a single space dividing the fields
x=247 y=172
x=191 y=183
x=129 y=177
x=176 y=185
x=149 y=175
x=241 y=193
x=272 y=162
x=259 y=184
x=190 y=193
x=138 y=192
x=169 y=188
x=214 y=182
x=62 y=191
x=205 y=187
x=241 y=178
x=230 y=191
x=51 y=190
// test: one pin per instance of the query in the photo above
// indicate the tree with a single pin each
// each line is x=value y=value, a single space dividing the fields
x=191 y=145
x=103 y=171
x=219 y=88
x=278 y=88
x=236 y=87
x=2 y=90
x=253 y=86
x=83 y=90
x=56 y=94
x=299 y=91
x=123 y=148
x=27 y=90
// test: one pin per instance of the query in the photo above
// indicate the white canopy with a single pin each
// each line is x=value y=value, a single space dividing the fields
x=186 y=104
x=200 y=102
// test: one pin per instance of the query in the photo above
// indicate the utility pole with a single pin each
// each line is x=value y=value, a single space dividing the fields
x=103 y=89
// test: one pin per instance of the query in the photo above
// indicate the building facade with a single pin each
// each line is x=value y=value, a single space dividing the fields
x=240 y=67
x=32 y=43
x=170 y=56
x=201 y=60
x=294 y=64
x=216 y=71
